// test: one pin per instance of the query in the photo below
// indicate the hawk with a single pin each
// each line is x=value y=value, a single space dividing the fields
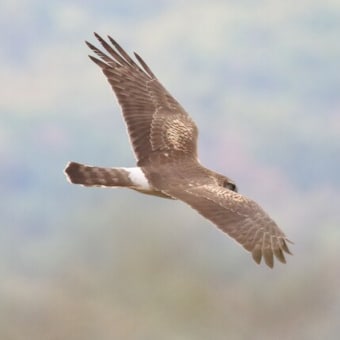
x=164 y=139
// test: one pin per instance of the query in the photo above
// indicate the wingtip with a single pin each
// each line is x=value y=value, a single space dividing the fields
x=98 y=62
x=279 y=254
x=285 y=248
x=113 y=41
x=257 y=255
x=268 y=257
x=270 y=265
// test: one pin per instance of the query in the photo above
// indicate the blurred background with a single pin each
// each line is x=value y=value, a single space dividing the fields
x=261 y=79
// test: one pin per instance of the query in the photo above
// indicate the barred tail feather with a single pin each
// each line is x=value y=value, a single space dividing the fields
x=96 y=176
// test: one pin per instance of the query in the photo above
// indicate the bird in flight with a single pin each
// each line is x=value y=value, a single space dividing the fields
x=164 y=139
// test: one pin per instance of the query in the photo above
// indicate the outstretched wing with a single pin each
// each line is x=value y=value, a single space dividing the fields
x=241 y=218
x=156 y=121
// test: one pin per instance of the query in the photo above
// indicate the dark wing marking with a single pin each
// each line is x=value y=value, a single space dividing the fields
x=155 y=120
x=241 y=218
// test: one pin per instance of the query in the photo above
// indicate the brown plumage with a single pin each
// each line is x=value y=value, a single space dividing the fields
x=164 y=139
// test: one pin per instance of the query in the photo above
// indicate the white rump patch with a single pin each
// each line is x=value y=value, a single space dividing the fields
x=138 y=178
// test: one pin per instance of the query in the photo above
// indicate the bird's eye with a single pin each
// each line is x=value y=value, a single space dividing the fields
x=230 y=185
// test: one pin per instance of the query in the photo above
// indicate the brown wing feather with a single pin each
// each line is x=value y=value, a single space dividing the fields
x=241 y=218
x=156 y=121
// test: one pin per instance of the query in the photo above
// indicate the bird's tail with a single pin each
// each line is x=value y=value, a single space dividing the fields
x=96 y=176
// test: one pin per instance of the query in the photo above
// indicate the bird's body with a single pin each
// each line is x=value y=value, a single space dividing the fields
x=164 y=139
